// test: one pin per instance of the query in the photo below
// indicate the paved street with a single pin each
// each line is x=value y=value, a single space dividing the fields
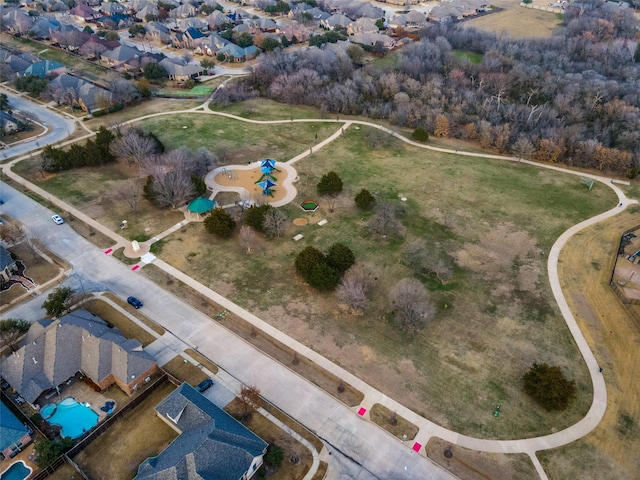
x=58 y=127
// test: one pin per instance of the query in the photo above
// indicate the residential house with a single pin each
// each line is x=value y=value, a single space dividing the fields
x=135 y=66
x=373 y=39
x=7 y=263
x=211 y=45
x=260 y=24
x=183 y=24
x=217 y=20
x=117 y=21
x=365 y=10
x=112 y=8
x=80 y=93
x=184 y=11
x=150 y=9
x=234 y=53
x=362 y=25
x=16 y=21
x=15 y=61
x=158 y=32
x=42 y=28
x=335 y=21
x=56 y=350
x=69 y=37
x=294 y=29
x=211 y=445
x=84 y=13
x=180 y=70
x=190 y=38
x=120 y=55
x=14 y=435
x=443 y=13
x=44 y=69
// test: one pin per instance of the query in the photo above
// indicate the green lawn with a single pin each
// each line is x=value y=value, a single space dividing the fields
x=494 y=319
x=264 y=109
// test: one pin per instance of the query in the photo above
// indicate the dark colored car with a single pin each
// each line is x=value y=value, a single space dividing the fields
x=203 y=385
x=134 y=302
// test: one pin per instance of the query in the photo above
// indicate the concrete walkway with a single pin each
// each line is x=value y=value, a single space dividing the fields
x=427 y=429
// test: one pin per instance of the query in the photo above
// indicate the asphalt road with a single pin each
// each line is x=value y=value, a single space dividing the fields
x=58 y=127
x=360 y=450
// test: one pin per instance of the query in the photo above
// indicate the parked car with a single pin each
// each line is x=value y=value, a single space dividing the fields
x=203 y=385
x=3 y=384
x=134 y=302
x=57 y=219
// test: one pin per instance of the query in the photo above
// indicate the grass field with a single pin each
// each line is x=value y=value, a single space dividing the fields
x=516 y=21
x=497 y=316
x=584 y=269
x=248 y=142
x=127 y=328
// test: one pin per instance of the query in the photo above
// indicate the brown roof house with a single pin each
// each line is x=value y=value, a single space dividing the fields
x=212 y=445
x=55 y=350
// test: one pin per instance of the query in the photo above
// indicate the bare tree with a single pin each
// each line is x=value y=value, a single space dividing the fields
x=223 y=151
x=274 y=223
x=250 y=399
x=356 y=285
x=123 y=91
x=92 y=49
x=12 y=234
x=426 y=259
x=129 y=193
x=249 y=239
x=385 y=221
x=411 y=304
x=133 y=147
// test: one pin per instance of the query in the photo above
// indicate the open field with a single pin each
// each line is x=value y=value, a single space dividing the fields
x=121 y=449
x=584 y=269
x=516 y=21
x=495 y=219
x=248 y=142
x=471 y=465
x=147 y=107
x=272 y=434
x=264 y=109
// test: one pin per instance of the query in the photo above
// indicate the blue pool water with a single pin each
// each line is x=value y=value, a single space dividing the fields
x=17 y=471
x=74 y=418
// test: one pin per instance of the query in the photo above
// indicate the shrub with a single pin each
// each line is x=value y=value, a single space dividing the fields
x=220 y=223
x=307 y=259
x=323 y=277
x=330 y=184
x=274 y=455
x=340 y=258
x=364 y=200
x=549 y=387
x=420 y=134
x=254 y=216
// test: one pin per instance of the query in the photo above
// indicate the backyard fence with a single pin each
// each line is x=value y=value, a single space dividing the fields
x=99 y=430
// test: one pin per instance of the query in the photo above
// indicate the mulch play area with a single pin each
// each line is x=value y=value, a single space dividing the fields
x=238 y=176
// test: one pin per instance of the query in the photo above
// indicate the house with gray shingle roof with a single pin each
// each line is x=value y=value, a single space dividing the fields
x=212 y=445
x=7 y=263
x=55 y=350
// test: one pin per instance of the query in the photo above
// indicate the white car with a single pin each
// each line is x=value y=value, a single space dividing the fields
x=57 y=219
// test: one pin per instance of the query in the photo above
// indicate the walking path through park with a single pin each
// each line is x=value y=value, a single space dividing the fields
x=427 y=429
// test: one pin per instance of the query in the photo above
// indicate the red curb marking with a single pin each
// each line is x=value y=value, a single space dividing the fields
x=108 y=251
x=362 y=411
x=417 y=446
x=135 y=267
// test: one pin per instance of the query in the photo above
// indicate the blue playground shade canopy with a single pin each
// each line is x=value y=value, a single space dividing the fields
x=201 y=205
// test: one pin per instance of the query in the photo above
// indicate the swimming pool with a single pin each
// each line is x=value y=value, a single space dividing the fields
x=17 y=471
x=74 y=418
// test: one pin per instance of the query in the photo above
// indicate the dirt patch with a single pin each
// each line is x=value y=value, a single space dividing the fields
x=237 y=177
x=300 y=222
x=393 y=423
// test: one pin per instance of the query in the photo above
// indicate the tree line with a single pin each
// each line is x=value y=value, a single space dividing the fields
x=572 y=98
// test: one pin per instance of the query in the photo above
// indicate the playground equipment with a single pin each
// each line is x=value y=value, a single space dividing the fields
x=587 y=181
x=266 y=186
x=496 y=412
x=267 y=167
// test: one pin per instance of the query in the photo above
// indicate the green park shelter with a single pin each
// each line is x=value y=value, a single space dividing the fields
x=201 y=205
